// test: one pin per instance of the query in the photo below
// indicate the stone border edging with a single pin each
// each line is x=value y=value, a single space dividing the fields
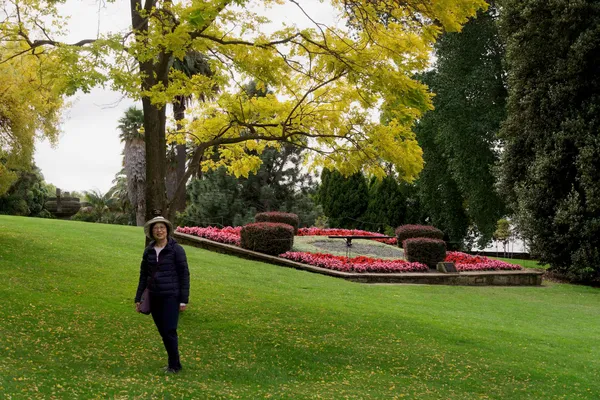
x=470 y=278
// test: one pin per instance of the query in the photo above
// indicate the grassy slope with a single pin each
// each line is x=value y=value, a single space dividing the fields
x=67 y=329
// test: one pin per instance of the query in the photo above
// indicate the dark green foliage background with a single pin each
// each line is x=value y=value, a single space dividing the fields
x=459 y=138
x=551 y=162
x=344 y=200
x=27 y=195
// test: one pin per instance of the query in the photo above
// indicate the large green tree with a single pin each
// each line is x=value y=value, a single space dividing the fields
x=329 y=79
x=27 y=195
x=459 y=137
x=344 y=199
x=439 y=195
x=551 y=161
x=387 y=206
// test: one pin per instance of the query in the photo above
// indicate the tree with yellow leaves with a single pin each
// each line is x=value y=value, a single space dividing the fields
x=330 y=81
x=30 y=104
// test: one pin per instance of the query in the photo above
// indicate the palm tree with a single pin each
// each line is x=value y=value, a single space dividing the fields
x=134 y=160
x=119 y=192
x=100 y=203
x=193 y=63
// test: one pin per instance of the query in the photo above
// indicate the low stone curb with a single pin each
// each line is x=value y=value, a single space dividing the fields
x=470 y=278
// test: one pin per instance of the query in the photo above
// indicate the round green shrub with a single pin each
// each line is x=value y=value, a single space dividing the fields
x=424 y=250
x=281 y=217
x=417 y=231
x=267 y=237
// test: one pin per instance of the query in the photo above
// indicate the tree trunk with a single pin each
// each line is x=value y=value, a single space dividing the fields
x=154 y=126
x=179 y=115
x=171 y=182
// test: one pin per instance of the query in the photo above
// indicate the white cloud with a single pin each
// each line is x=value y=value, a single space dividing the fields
x=88 y=153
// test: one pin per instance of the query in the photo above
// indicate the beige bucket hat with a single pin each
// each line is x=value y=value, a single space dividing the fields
x=148 y=226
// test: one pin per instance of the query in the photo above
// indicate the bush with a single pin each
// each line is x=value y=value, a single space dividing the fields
x=417 y=231
x=280 y=217
x=425 y=251
x=267 y=237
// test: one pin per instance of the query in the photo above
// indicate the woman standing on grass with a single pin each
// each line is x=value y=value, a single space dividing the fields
x=164 y=267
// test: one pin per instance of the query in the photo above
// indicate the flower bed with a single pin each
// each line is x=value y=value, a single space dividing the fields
x=341 y=232
x=228 y=235
x=462 y=261
x=466 y=262
x=356 y=264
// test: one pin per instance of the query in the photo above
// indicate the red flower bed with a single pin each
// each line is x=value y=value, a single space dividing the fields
x=466 y=262
x=229 y=235
x=356 y=264
x=339 y=232
x=462 y=261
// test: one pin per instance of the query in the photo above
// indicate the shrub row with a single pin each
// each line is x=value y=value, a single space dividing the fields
x=417 y=231
x=425 y=251
x=267 y=237
x=280 y=217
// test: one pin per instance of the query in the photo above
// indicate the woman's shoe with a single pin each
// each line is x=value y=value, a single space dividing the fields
x=171 y=370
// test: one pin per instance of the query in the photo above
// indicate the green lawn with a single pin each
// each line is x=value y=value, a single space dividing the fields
x=523 y=263
x=253 y=330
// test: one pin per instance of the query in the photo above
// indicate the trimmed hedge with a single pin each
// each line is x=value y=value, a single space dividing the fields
x=424 y=250
x=417 y=231
x=281 y=217
x=267 y=237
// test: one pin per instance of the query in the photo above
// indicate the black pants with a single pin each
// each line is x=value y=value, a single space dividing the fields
x=165 y=313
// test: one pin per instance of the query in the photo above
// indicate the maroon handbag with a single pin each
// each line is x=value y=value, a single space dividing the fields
x=145 y=303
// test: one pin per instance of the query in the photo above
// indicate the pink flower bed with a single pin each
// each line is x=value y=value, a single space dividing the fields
x=356 y=264
x=467 y=262
x=228 y=235
x=462 y=261
x=341 y=232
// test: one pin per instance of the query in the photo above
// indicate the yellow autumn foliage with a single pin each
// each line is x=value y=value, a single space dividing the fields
x=328 y=83
x=30 y=105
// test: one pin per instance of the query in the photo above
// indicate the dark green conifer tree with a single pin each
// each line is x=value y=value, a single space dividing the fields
x=459 y=138
x=344 y=200
x=551 y=160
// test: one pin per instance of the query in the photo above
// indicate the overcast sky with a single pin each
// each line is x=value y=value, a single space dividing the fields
x=88 y=153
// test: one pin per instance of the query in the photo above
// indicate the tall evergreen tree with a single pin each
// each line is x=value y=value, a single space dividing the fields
x=344 y=200
x=459 y=138
x=387 y=205
x=215 y=200
x=551 y=162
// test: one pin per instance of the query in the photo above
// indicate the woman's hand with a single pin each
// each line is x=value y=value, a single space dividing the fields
x=182 y=306
x=137 y=307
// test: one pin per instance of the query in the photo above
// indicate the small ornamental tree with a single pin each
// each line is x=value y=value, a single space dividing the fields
x=425 y=251
x=267 y=237
x=281 y=217
x=417 y=231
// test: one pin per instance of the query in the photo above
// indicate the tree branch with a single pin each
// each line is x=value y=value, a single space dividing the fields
x=244 y=42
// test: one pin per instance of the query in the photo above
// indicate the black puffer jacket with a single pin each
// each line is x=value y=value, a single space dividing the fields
x=172 y=277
